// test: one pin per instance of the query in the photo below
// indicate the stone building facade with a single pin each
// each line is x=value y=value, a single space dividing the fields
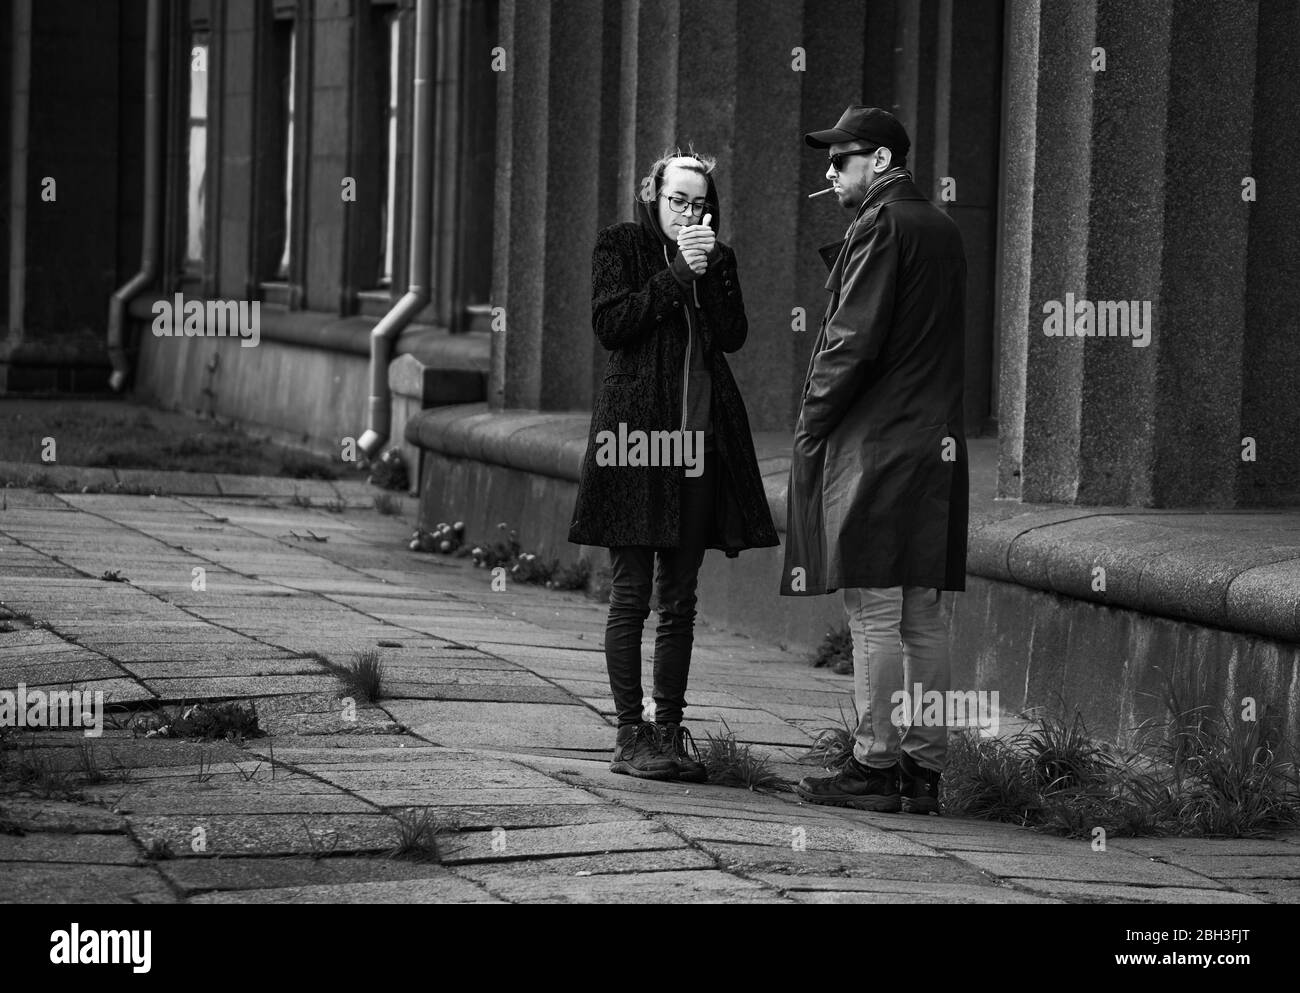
x=1111 y=151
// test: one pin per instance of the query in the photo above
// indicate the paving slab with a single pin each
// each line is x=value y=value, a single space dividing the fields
x=609 y=863
x=1241 y=866
x=783 y=860
x=236 y=687
x=327 y=714
x=202 y=874
x=1010 y=842
x=795 y=835
x=838 y=889
x=30 y=813
x=498 y=724
x=57 y=669
x=47 y=883
x=99 y=849
x=1096 y=867
x=444 y=887
x=502 y=844
x=672 y=887
x=1078 y=891
x=515 y=815
x=268 y=834
x=1267 y=890
x=1174 y=848
x=481 y=692
x=121 y=690
x=198 y=803
x=341 y=749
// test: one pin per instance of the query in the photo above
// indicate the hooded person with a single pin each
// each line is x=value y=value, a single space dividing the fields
x=670 y=469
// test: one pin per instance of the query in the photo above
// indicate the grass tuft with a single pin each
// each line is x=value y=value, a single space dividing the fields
x=730 y=763
x=833 y=746
x=417 y=836
x=37 y=770
x=363 y=677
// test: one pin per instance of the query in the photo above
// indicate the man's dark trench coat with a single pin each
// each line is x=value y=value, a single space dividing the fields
x=878 y=492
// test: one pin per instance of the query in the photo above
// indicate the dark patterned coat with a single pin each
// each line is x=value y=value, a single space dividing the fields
x=638 y=314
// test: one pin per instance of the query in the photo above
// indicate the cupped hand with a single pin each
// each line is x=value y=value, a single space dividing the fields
x=697 y=236
x=696 y=259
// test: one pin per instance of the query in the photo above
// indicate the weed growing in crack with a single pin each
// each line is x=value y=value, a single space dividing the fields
x=730 y=763
x=417 y=836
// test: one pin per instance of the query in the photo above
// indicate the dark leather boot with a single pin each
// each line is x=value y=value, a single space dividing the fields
x=857 y=786
x=919 y=786
x=675 y=741
x=638 y=752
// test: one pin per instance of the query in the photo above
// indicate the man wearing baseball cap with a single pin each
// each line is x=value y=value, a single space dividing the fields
x=878 y=494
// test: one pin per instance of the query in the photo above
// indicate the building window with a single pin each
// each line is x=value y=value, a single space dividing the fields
x=388 y=223
x=289 y=78
x=196 y=198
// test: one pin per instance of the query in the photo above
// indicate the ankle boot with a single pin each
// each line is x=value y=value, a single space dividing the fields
x=676 y=740
x=919 y=786
x=638 y=752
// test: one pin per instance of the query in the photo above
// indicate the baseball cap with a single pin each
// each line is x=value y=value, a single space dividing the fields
x=859 y=123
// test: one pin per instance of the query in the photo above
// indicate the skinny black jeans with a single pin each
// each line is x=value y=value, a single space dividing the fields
x=674 y=583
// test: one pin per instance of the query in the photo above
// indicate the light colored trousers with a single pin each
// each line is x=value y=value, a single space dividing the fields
x=899 y=640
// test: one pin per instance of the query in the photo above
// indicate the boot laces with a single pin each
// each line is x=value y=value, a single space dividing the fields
x=645 y=733
x=679 y=738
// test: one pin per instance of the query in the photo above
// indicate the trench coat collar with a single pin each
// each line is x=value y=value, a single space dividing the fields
x=897 y=184
x=888 y=189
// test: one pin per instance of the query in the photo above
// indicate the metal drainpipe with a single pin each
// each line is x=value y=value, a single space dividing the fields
x=386 y=331
x=152 y=199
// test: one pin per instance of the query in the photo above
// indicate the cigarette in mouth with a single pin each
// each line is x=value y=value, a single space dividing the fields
x=829 y=189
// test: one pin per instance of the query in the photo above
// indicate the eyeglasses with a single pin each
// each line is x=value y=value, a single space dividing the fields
x=680 y=205
x=837 y=160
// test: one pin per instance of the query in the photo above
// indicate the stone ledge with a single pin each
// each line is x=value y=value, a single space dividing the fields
x=1232 y=570
x=432 y=346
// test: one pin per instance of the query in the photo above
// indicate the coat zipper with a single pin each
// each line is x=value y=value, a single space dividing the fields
x=690 y=342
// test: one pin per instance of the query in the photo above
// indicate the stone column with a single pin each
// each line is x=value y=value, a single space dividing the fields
x=1271 y=351
x=764 y=196
x=549 y=123
x=1044 y=243
x=1135 y=176
x=842 y=70
x=969 y=121
x=1200 y=326
x=16 y=65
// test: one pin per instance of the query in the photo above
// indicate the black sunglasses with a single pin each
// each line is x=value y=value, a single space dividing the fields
x=837 y=160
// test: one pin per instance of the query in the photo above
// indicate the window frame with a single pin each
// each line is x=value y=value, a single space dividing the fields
x=279 y=216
